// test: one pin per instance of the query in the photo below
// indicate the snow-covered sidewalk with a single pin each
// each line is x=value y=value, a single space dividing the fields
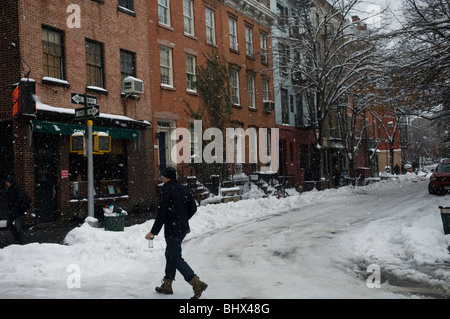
x=319 y=242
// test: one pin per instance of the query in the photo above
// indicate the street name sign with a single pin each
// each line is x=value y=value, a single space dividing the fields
x=90 y=111
x=78 y=98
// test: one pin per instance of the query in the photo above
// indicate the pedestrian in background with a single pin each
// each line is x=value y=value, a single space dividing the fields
x=176 y=206
x=18 y=202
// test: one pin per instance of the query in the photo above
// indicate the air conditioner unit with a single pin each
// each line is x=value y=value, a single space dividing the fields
x=131 y=85
x=268 y=106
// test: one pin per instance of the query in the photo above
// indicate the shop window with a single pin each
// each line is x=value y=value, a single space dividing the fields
x=110 y=173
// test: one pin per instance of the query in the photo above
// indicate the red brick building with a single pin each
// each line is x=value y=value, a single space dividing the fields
x=69 y=49
x=181 y=34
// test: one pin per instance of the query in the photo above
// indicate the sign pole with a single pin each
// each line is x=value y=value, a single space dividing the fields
x=85 y=110
x=90 y=170
x=90 y=109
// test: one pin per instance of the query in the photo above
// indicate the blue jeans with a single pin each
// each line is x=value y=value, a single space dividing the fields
x=175 y=262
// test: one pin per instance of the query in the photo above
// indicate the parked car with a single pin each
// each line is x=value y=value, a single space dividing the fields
x=440 y=179
x=408 y=168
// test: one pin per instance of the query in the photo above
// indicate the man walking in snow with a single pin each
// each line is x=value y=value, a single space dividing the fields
x=176 y=206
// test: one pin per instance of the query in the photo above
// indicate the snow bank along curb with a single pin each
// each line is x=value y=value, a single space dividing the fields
x=408 y=237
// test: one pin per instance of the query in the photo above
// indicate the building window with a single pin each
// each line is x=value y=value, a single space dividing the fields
x=291 y=103
x=282 y=16
x=235 y=87
x=190 y=72
x=165 y=61
x=233 y=34
x=283 y=59
x=265 y=90
x=53 y=53
x=127 y=4
x=263 y=38
x=210 y=26
x=251 y=91
x=94 y=63
x=127 y=64
x=188 y=13
x=249 y=41
x=164 y=12
x=284 y=106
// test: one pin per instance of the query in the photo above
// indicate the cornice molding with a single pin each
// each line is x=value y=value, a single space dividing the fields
x=253 y=10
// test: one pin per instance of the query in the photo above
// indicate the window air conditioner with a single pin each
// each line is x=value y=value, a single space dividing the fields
x=131 y=85
x=268 y=106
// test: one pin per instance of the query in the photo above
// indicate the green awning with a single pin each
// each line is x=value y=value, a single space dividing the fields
x=57 y=128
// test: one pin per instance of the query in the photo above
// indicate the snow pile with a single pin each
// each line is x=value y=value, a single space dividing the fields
x=403 y=243
x=409 y=245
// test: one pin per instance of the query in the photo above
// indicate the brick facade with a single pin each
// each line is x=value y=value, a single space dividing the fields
x=137 y=31
x=170 y=102
x=9 y=57
x=115 y=29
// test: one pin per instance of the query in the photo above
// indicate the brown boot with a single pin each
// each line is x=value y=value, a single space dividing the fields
x=166 y=287
x=198 y=286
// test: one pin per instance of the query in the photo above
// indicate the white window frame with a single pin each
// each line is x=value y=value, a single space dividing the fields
x=188 y=14
x=251 y=91
x=263 y=38
x=233 y=34
x=265 y=89
x=249 y=41
x=191 y=63
x=210 y=26
x=235 y=98
x=166 y=68
x=164 y=8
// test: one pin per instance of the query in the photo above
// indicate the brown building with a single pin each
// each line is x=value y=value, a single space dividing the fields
x=68 y=50
x=182 y=34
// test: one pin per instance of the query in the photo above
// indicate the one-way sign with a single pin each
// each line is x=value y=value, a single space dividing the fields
x=77 y=98
x=90 y=111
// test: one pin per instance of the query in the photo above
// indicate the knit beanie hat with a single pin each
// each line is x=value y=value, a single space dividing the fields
x=170 y=173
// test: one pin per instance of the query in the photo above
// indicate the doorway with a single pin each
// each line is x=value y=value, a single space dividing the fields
x=46 y=177
x=162 y=152
x=165 y=144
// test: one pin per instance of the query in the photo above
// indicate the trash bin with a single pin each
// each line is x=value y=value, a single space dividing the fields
x=445 y=215
x=114 y=218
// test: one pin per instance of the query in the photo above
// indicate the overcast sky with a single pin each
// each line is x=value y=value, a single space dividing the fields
x=369 y=8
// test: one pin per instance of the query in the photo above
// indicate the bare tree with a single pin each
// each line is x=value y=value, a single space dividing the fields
x=421 y=63
x=329 y=59
x=425 y=43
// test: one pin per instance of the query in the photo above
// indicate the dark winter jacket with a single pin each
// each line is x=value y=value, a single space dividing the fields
x=15 y=197
x=176 y=206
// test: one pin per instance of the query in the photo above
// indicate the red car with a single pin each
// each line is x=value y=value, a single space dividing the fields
x=440 y=180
